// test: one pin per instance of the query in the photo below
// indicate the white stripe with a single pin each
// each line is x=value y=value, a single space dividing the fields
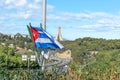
x=40 y=32
x=58 y=44
x=43 y=40
x=48 y=34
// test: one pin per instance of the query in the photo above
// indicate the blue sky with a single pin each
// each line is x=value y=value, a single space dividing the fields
x=77 y=18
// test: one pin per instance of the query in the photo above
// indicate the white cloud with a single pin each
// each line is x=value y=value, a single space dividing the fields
x=21 y=3
x=66 y=16
x=56 y=17
x=20 y=15
x=9 y=1
x=76 y=16
x=37 y=1
x=33 y=6
x=18 y=3
x=90 y=21
x=22 y=9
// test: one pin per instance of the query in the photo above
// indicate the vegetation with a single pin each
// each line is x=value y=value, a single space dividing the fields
x=105 y=66
x=81 y=48
x=93 y=59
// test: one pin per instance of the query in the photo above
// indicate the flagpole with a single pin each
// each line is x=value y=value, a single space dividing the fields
x=44 y=27
x=44 y=14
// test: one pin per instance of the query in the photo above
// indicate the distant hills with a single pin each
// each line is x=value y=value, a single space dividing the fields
x=79 y=47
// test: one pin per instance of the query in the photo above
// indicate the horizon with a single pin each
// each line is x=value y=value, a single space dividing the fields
x=77 y=19
x=64 y=39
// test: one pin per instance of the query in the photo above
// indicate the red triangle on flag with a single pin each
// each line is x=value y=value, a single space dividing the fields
x=35 y=34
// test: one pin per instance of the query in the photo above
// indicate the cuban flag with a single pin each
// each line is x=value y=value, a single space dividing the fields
x=44 y=40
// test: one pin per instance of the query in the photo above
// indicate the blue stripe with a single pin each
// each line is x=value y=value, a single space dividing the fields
x=46 y=45
x=42 y=35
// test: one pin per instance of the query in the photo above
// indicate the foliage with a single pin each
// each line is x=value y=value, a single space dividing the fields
x=10 y=59
x=102 y=66
x=81 y=47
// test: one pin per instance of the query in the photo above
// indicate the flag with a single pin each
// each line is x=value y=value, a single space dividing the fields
x=44 y=40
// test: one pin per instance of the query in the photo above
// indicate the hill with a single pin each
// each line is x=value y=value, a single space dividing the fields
x=84 y=46
x=93 y=58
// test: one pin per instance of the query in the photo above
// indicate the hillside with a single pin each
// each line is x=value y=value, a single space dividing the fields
x=85 y=46
x=93 y=58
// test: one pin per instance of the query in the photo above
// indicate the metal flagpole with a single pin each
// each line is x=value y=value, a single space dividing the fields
x=44 y=27
x=44 y=14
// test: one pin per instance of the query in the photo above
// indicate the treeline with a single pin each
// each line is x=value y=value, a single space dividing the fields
x=83 y=46
x=77 y=46
x=17 y=40
x=92 y=44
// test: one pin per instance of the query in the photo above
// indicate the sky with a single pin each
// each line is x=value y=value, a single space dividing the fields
x=77 y=18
